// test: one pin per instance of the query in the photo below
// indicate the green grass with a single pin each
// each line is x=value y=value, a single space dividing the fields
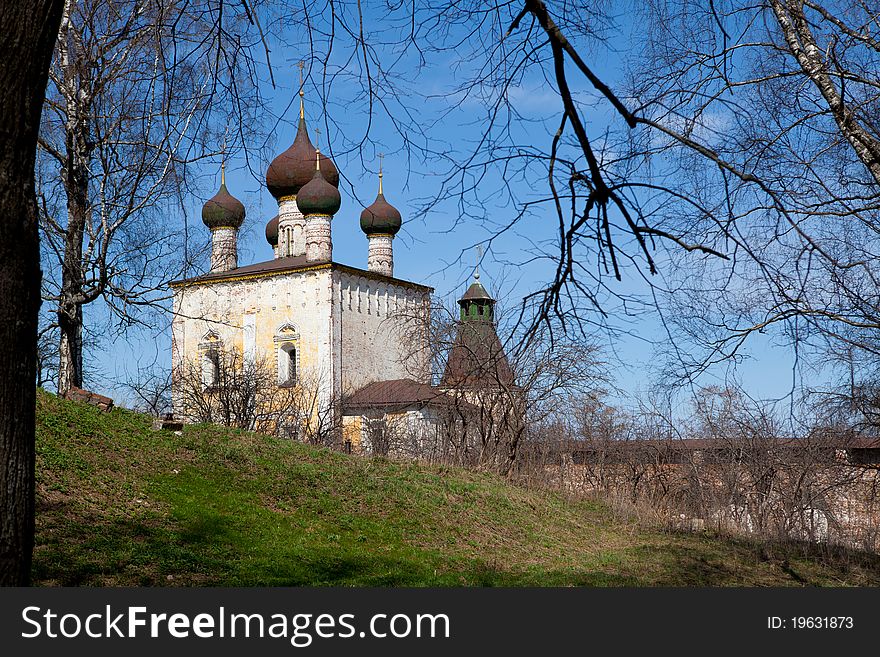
x=119 y=504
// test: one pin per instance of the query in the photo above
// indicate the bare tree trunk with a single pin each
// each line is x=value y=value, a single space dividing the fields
x=70 y=308
x=27 y=34
x=70 y=349
x=78 y=151
x=814 y=63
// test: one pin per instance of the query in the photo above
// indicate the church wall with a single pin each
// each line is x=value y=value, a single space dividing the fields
x=372 y=333
x=415 y=432
x=248 y=315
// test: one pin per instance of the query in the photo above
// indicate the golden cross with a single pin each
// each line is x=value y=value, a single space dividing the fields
x=223 y=157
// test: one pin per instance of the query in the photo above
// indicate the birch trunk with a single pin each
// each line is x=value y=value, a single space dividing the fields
x=76 y=183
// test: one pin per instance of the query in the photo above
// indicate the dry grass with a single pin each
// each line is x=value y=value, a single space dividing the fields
x=122 y=505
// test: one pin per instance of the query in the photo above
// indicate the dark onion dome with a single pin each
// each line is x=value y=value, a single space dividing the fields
x=318 y=196
x=294 y=168
x=381 y=218
x=272 y=231
x=223 y=210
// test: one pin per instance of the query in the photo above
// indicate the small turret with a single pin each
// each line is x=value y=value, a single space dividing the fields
x=318 y=201
x=477 y=359
x=380 y=222
x=477 y=305
x=224 y=215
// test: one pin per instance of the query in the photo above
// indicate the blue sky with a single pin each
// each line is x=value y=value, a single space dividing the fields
x=433 y=249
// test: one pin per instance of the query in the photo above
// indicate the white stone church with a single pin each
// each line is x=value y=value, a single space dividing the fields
x=320 y=321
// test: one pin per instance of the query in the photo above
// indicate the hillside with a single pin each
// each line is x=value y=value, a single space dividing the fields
x=119 y=504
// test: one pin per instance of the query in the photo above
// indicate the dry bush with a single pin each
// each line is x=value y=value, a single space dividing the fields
x=222 y=387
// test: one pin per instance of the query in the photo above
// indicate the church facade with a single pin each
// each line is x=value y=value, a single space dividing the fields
x=337 y=328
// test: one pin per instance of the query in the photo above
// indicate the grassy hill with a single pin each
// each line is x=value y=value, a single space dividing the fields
x=119 y=504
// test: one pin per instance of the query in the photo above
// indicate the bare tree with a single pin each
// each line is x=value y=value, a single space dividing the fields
x=492 y=390
x=151 y=387
x=783 y=98
x=735 y=143
x=136 y=90
x=223 y=387
x=27 y=35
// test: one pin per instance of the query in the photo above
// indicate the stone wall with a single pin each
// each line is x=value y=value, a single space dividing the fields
x=249 y=314
x=374 y=344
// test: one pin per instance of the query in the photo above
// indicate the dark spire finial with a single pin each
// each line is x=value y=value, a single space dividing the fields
x=381 y=157
x=302 y=110
x=479 y=259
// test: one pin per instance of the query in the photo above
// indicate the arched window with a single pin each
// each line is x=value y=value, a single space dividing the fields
x=287 y=345
x=209 y=348
x=287 y=375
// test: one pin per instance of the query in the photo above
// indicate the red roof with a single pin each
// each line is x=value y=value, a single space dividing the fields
x=291 y=264
x=399 y=392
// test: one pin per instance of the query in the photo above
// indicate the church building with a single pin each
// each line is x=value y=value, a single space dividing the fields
x=332 y=326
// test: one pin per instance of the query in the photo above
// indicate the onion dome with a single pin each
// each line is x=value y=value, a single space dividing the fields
x=381 y=217
x=294 y=168
x=223 y=210
x=272 y=231
x=318 y=196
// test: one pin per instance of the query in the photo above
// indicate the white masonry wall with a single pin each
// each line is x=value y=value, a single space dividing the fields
x=247 y=314
x=349 y=327
x=373 y=339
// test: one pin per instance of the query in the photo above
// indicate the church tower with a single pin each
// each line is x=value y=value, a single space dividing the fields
x=318 y=201
x=287 y=175
x=477 y=359
x=223 y=214
x=380 y=222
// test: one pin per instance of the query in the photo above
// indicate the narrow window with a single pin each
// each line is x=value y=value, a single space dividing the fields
x=291 y=365
x=287 y=365
x=211 y=369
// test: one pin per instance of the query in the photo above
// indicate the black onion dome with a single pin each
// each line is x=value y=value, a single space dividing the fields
x=380 y=218
x=318 y=196
x=294 y=168
x=223 y=210
x=272 y=231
